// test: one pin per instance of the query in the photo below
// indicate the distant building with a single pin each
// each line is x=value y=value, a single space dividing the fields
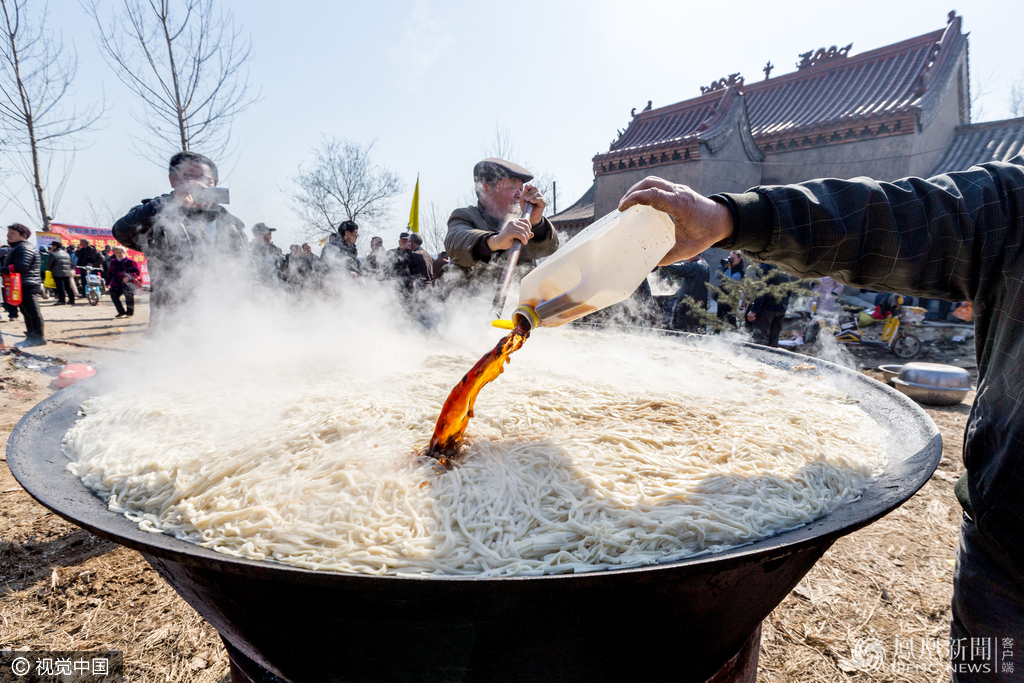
x=901 y=110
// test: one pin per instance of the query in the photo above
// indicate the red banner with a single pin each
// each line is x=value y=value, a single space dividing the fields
x=98 y=237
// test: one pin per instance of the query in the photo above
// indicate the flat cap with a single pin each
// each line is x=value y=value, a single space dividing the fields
x=490 y=171
x=262 y=227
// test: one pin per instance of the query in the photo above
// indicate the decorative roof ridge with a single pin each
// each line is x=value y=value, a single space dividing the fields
x=800 y=74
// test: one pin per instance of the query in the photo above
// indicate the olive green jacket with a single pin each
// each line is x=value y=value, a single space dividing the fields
x=469 y=226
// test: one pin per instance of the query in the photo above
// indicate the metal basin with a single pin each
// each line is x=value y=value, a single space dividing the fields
x=890 y=372
x=934 y=396
x=936 y=375
x=679 y=621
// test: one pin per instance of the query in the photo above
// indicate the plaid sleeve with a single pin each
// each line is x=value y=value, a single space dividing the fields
x=945 y=237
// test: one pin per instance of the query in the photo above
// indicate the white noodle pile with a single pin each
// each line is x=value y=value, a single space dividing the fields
x=567 y=470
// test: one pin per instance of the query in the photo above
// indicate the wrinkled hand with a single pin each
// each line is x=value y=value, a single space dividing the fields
x=531 y=195
x=188 y=192
x=519 y=229
x=700 y=222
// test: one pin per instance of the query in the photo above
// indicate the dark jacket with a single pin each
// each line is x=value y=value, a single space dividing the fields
x=268 y=260
x=466 y=243
x=771 y=302
x=171 y=235
x=25 y=259
x=116 y=272
x=957 y=237
x=89 y=256
x=695 y=276
x=339 y=255
x=60 y=263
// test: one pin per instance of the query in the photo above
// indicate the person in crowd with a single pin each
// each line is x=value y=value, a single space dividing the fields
x=24 y=259
x=693 y=291
x=733 y=269
x=297 y=270
x=440 y=266
x=420 y=262
x=61 y=270
x=340 y=253
x=954 y=237
x=480 y=236
x=87 y=257
x=267 y=258
x=768 y=311
x=377 y=259
x=122 y=276
x=183 y=231
x=12 y=311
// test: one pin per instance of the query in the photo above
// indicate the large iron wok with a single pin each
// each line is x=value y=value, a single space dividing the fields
x=681 y=621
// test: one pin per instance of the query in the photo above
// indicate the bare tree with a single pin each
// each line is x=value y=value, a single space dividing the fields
x=982 y=88
x=187 y=65
x=343 y=183
x=36 y=72
x=434 y=227
x=501 y=146
x=1016 y=100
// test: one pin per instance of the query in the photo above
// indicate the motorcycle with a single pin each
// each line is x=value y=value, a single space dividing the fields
x=93 y=285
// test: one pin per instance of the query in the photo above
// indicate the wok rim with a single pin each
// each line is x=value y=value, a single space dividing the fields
x=35 y=436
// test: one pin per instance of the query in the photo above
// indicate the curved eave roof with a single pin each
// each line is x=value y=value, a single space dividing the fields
x=981 y=142
x=880 y=84
x=581 y=210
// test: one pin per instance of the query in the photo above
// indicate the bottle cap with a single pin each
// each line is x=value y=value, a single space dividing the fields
x=502 y=324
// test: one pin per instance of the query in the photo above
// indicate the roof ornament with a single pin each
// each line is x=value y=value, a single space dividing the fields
x=768 y=69
x=814 y=58
x=951 y=16
x=723 y=83
x=647 y=108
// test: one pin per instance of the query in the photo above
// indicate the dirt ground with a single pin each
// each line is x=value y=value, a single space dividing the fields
x=63 y=589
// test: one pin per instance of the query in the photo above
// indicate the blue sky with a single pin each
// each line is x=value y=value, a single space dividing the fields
x=431 y=80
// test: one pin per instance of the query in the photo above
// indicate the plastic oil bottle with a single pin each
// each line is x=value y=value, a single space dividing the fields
x=601 y=266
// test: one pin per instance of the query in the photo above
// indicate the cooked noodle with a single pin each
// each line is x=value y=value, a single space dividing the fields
x=566 y=471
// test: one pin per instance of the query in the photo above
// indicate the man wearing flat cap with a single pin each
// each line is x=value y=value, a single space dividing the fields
x=266 y=256
x=479 y=236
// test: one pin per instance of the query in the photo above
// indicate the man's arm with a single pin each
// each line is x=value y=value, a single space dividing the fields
x=945 y=237
x=139 y=221
x=463 y=241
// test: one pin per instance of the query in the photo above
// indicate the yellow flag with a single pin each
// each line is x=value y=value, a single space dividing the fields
x=414 y=213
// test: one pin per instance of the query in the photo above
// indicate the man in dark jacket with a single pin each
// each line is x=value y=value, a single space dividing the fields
x=958 y=237
x=24 y=259
x=340 y=255
x=87 y=256
x=185 y=229
x=267 y=258
x=62 y=270
x=420 y=263
x=693 y=291
x=768 y=311
x=480 y=236
x=122 y=274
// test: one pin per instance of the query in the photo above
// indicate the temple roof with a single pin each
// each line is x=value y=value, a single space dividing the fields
x=883 y=89
x=581 y=211
x=981 y=142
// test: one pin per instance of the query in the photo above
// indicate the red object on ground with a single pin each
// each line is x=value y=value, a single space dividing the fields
x=73 y=372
